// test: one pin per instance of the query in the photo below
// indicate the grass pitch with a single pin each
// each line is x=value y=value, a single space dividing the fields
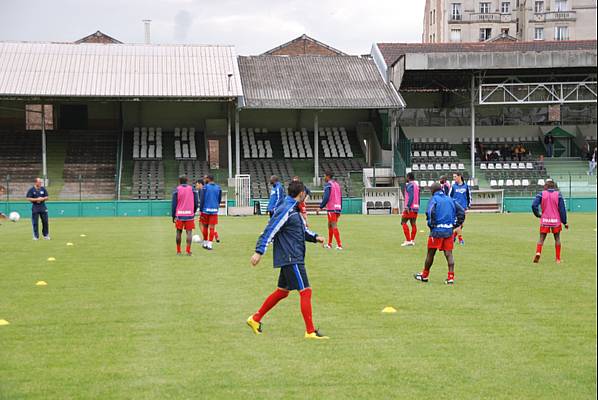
x=123 y=317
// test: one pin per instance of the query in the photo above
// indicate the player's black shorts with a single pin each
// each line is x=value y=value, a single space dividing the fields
x=293 y=277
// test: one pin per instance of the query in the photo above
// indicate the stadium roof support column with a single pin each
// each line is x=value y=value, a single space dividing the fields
x=393 y=128
x=472 y=146
x=44 y=163
x=316 y=150
x=229 y=140
x=237 y=144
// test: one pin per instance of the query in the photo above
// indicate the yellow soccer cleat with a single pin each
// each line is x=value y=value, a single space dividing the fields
x=255 y=326
x=315 y=335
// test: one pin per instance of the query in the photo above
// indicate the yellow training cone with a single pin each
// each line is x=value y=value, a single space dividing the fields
x=82 y=235
x=422 y=231
x=69 y=244
x=51 y=259
x=4 y=322
x=41 y=283
x=389 y=310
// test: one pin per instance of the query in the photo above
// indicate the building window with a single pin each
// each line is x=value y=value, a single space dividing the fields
x=505 y=7
x=539 y=33
x=561 y=33
x=485 y=34
x=456 y=11
x=539 y=6
x=504 y=31
x=455 y=35
x=431 y=18
x=33 y=117
x=561 y=5
x=484 y=8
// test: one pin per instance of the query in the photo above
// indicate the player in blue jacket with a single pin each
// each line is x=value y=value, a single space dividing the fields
x=288 y=232
x=461 y=193
x=277 y=195
x=209 y=205
x=443 y=215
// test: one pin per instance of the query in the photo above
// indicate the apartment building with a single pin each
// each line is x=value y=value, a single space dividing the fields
x=527 y=20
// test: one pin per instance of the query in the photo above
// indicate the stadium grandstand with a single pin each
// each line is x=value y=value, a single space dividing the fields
x=123 y=121
x=504 y=98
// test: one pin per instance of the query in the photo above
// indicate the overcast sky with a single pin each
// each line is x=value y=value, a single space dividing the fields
x=252 y=26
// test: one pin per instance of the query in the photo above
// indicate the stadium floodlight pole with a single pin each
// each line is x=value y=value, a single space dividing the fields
x=44 y=164
x=472 y=146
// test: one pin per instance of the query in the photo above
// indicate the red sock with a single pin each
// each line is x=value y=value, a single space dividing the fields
x=212 y=232
x=306 y=310
x=270 y=302
x=204 y=232
x=406 y=232
x=558 y=251
x=538 y=248
x=460 y=237
x=413 y=231
x=178 y=248
x=337 y=236
x=451 y=275
x=216 y=235
x=330 y=234
x=425 y=273
x=188 y=248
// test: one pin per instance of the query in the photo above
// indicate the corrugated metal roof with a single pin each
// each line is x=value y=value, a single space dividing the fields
x=118 y=70
x=315 y=82
x=392 y=51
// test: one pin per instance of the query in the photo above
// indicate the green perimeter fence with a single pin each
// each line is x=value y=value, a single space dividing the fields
x=124 y=208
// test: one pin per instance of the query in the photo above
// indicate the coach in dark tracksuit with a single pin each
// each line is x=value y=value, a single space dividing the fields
x=38 y=195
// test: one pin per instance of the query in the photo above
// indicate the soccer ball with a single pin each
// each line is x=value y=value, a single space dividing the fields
x=14 y=216
x=196 y=239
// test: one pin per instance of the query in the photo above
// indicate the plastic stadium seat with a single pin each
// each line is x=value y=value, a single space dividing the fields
x=423 y=184
x=423 y=167
x=493 y=183
x=509 y=182
x=453 y=167
x=524 y=182
x=529 y=165
x=445 y=167
x=491 y=166
x=541 y=182
x=498 y=166
x=415 y=167
x=517 y=182
x=506 y=166
x=424 y=153
x=430 y=183
x=514 y=166
x=461 y=166
x=430 y=167
x=483 y=166
x=521 y=165
x=438 y=167
x=453 y=153
x=501 y=182
x=416 y=153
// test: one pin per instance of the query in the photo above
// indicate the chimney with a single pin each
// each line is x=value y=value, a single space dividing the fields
x=146 y=22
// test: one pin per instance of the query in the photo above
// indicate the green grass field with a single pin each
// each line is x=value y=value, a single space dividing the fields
x=123 y=318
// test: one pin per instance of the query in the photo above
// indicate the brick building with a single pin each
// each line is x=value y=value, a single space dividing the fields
x=303 y=46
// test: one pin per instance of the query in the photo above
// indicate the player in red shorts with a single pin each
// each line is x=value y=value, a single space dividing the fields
x=552 y=217
x=209 y=204
x=411 y=210
x=184 y=203
x=332 y=202
x=203 y=223
x=443 y=215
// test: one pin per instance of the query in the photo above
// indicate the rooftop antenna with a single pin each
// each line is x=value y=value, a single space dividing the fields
x=230 y=75
x=146 y=22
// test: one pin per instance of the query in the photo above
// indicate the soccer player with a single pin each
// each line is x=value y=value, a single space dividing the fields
x=183 y=206
x=443 y=215
x=332 y=201
x=209 y=205
x=2 y=216
x=199 y=184
x=287 y=230
x=301 y=206
x=276 y=195
x=37 y=196
x=461 y=194
x=445 y=184
x=552 y=217
x=411 y=210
